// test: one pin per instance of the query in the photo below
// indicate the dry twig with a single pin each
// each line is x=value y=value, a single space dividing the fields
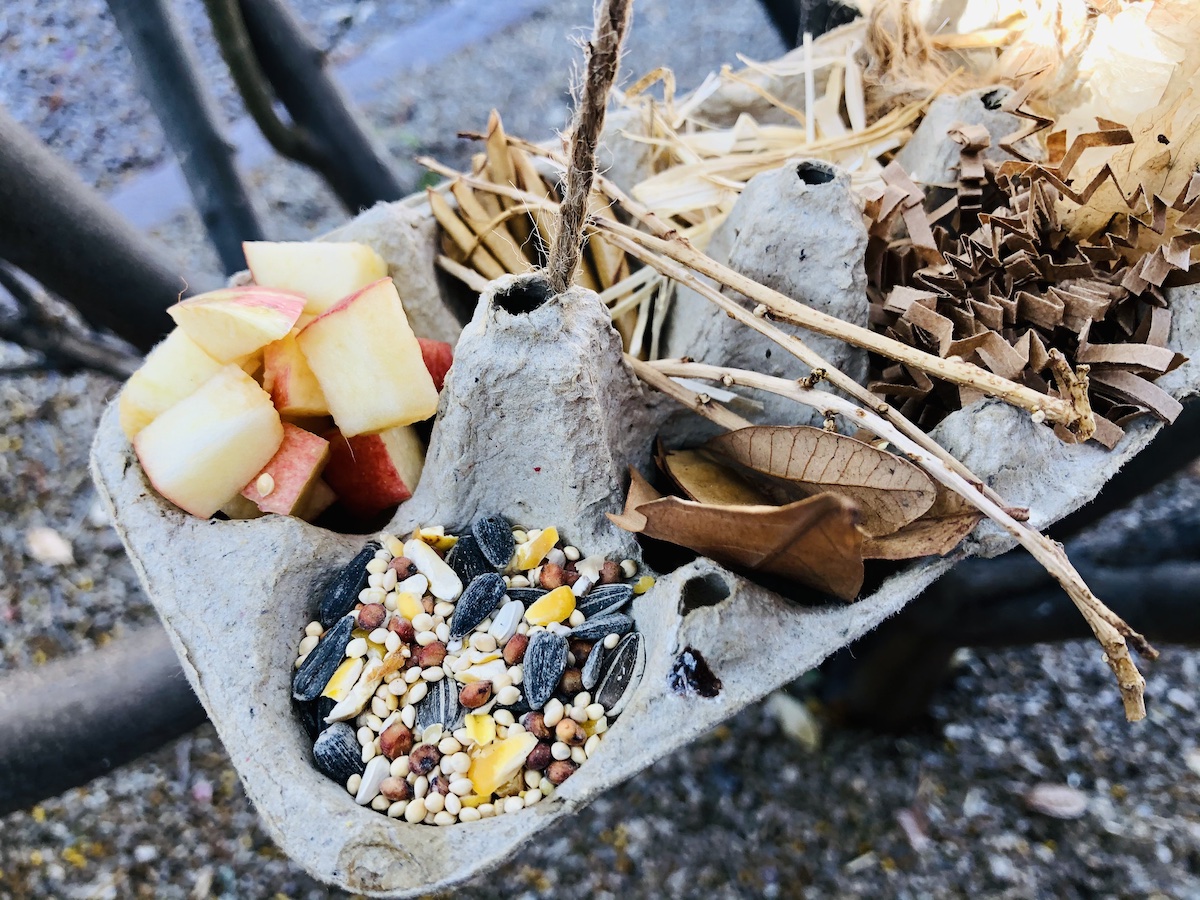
x=1113 y=632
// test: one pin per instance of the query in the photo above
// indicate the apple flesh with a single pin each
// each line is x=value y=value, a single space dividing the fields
x=290 y=381
x=368 y=362
x=374 y=472
x=290 y=473
x=323 y=271
x=172 y=371
x=232 y=323
x=200 y=453
x=438 y=356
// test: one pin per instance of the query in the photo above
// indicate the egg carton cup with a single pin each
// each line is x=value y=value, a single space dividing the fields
x=540 y=420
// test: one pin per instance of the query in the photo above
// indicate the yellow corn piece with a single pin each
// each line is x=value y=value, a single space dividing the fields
x=360 y=633
x=533 y=552
x=475 y=800
x=643 y=584
x=481 y=728
x=552 y=607
x=343 y=680
x=379 y=650
x=500 y=761
x=409 y=605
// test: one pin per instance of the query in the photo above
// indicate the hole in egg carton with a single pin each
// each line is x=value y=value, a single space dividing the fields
x=702 y=591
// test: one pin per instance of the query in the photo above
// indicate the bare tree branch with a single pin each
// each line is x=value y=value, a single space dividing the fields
x=169 y=74
x=63 y=234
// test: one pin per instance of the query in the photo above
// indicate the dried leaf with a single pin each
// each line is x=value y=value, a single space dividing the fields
x=705 y=480
x=815 y=541
x=940 y=530
x=891 y=492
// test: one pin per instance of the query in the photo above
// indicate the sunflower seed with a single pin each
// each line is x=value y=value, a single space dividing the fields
x=545 y=662
x=624 y=673
x=337 y=752
x=477 y=602
x=440 y=706
x=604 y=598
x=342 y=592
x=318 y=667
x=467 y=560
x=494 y=536
x=525 y=595
x=593 y=669
x=598 y=627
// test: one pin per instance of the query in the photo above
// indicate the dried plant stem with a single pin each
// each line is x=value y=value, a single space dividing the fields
x=1062 y=412
x=1110 y=629
x=603 y=58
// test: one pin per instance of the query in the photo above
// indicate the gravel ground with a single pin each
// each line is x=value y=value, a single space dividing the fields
x=746 y=811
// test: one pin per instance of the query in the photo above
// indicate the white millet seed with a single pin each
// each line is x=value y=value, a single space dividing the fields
x=393 y=545
x=420 y=786
x=590 y=745
x=415 y=811
x=379 y=710
x=576 y=618
x=532 y=778
x=578 y=714
x=392 y=642
x=396 y=810
x=461 y=787
x=469 y=814
x=433 y=674
x=628 y=568
x=435 y=803
x=522 y=627
x=443 y=632
x=453 y=805
x=513 y=804
x=376 y=595
x=571 y=553
x=356 y=648
x=546 y=787
x=307 y=645
x=594 y=711
x=422 y=622
x=377 y=567
x=369 y=752
x=531 y=797
x=601 y=725
x=578 y=756
x=558 y=627
x=518 y=581
x=501 y=681
x=389 y=603
x=504 y=716
x=560 y=751
x=380 y=803
x=375 y=581
x=448 y=746
x=417 y=692
x=443 y=609
x=502 y=732
x=353 y=783
x=516 y=728
x=486 y=809
x=313 y=629
x=553 y=712
x=425 y=638
x=378 y=636
x=517 y=674
x=399 y=767
x=557 y=557
x=433 y=733
x=389 y=580
x=398 y=687
x=365 y=735
x=611 y=641
x=408 y=715
x=484 y=643
x=412 y=676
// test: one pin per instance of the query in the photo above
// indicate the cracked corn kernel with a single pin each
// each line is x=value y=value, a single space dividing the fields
x=344 y=678
x=534 y=551
x=409 y=605
x=500 y=761
x=481 y=728
x=552 y=607
x=643 y=584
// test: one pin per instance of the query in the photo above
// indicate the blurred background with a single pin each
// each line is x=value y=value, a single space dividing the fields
x=1011 y=774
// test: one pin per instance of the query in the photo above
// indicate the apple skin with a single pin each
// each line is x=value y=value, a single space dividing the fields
x=290 y=381
x=294 y=469
x=232 y=323
x=438 y=356
x=325 y=272
x=368 y=362
x=373 y=472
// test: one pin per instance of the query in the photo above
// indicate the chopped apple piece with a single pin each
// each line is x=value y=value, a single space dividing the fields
x=241 y=508
x=368 y=362
x=232 y=323
x=174 y=369
x=323 y=271
x=319 y=498
x=438 y=356
x=289 y=380
x=283 y=484
x=200 y=453
x=373 y=472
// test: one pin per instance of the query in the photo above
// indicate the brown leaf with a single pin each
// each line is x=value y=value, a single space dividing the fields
x=705 y=480
x=815 y=541
x=891 y=492
x=940 y=530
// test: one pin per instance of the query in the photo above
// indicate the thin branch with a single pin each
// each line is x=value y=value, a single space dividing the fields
x=1076 y=416
x=1112 y=632
x=233 y=40
x=603 y=59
